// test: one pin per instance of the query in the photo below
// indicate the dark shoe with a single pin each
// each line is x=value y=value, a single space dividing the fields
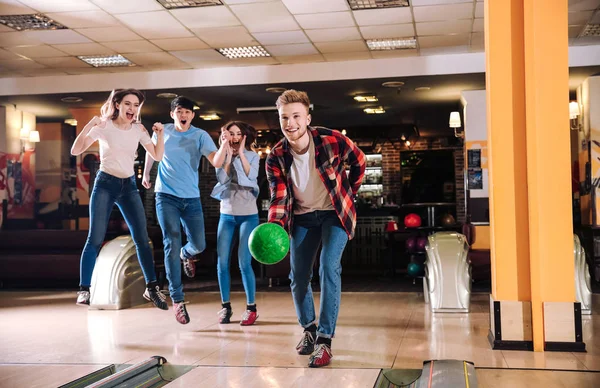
x=189 y=265
x=307 y=344
x=156 y=297
x=321 y=356
x=181 y=314
x=225 y=315
x=83 y=298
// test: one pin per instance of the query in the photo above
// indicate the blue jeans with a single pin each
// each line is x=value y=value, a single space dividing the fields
x=228 y=225
x=109 y=190
x=310 y=230
x=172 y=212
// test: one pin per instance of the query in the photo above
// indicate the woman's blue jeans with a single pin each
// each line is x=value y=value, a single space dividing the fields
x=108 y=191
x=172 y=212
x=228 y=225
x=310 y=230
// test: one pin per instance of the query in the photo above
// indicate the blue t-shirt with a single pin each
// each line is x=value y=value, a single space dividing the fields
x=178 y=169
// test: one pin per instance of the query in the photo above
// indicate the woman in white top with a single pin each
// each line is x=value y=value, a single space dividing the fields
x=119 y=132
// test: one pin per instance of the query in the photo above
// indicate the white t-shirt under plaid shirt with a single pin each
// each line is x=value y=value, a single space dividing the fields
x=118 y=147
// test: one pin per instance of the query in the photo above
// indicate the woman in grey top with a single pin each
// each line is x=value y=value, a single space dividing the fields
x=237 y=189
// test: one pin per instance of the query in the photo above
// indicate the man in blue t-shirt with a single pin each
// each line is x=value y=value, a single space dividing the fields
x=178 y=195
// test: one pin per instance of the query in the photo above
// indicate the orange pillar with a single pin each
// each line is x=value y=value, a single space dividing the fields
x=549 y=171
x=510 y=321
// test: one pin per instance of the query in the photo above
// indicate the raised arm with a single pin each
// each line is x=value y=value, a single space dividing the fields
x=157 y=150
x=83 y=141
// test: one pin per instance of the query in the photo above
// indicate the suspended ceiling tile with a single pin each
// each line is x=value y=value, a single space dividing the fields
x=325 y=20
x=388 y=31
x=226 y=36
x=109 y=34
x=479 y=10
x=292 y=49
x=43 y=51
x=85 y=19
x=206 y=17
x=13 y=7
x=149 y=59
x=84 y=49
x=583 y=5
x=478 y=25
x=394 y=53
x=284 y=37
x=443 y=40
x=334 y=34
x=441 y=28
x=300 y=58
x=265 y=17
x=4 y=54
x=341 y=47
x=46 y=6
x=316 y=6
x=443 y=12
x=64 y=62
x=580 y=17
x=57 y=36
x=145 y=24
x=419 y=3
x=195 y=56
x=8 y=39
x=133 y=46
x=180 y=44
x=118 y=6
x=375 y=17
x=349 y=56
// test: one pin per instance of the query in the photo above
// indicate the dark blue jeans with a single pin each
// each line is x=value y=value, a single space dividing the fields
x=172 y=212
x=108 y=191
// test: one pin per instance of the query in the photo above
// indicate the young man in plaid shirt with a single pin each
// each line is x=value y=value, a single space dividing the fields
x=312 y=196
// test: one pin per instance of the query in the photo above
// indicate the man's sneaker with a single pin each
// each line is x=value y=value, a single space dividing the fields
x=189 y=265
x=225 y=315
x=248 y=318
x=321 y=356
x=307 y=344
x=155 y=296
x=181 y=314
x=83 y=298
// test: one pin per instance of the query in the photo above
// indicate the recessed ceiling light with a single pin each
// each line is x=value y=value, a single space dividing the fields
x=392 y=84
x=422 y=88
x=374 y=110
x=392 y=44
x=276 y=89
x=210 y=117
x=106 y=60
x=366 y=98
x=591 y=30
x=368 y=4
x=71 y=99
x=72 y=122
x=174 y=4
x=166 y=95
x=196 y=107
x=244 y=52
x=30 y=22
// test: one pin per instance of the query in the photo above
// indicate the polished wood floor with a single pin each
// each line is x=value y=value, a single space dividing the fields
x=46 y=340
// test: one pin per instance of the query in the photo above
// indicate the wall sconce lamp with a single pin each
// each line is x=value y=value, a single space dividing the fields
x=34 y=137
x=574 y=116
x=455 y=123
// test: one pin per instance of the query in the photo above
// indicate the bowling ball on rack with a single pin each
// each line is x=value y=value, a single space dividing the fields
x=421 y=244
x=269 y=243
x=448 y=220
x=412 y=220
x=411 y=244
x=415 y=269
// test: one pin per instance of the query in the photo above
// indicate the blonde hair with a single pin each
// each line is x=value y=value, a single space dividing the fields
x=109 y=109
x=291 y=96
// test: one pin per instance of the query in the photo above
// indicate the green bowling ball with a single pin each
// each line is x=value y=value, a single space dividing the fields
x=415 y=269
x=269 y=243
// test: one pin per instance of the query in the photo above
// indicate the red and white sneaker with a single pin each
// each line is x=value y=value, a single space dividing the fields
x=181 y=314
x=189 y=265
x=321 y=356
x=248 y=318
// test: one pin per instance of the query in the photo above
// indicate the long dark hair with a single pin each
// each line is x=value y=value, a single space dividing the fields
x=109 y=109
x=247 y=130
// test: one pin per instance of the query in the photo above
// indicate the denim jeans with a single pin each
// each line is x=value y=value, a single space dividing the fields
x=310 y=230
x=228 y=225
x=172 y=212
x=109 y=190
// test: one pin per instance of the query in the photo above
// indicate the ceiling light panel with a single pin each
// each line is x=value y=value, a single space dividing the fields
x=106 y=60
x=174 y=4
x=244 y=52
x=34 y=22
x=392 y=44
x=366 y=98
x=591 y=30
x=370 y=4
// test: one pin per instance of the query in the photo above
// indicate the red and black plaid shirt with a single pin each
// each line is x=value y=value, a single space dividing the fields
x=333 y=152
